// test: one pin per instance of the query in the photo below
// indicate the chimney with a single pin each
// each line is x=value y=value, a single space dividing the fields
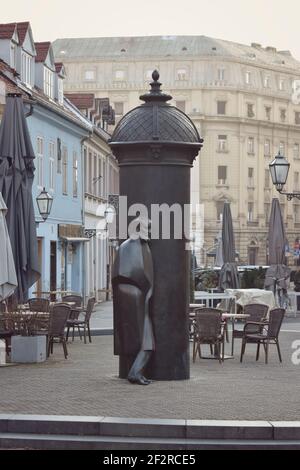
x=256 y=45
x=271 y=49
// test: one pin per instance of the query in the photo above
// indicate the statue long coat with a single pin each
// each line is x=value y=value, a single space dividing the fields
x=132 y=281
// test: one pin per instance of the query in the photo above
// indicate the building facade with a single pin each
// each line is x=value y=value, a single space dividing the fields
x=243 y=99
x=101 y=179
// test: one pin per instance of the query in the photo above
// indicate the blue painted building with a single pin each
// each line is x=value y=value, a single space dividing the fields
x=57 y=133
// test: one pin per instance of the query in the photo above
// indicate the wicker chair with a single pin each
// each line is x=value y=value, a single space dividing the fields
x=38 y=304
x=257 y=313
x=76 y=298
x=83 y=324
x=268 y=333
x=58 y=321
x=208 y=329
x=6 y=331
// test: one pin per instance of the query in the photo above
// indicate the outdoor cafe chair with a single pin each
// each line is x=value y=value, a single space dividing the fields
x=257 y=313
x=268 y=332
x=39 y=304
x=208 y=329
x=78 y=301
x=58 y=321
x=84 y=323
x=6 y=330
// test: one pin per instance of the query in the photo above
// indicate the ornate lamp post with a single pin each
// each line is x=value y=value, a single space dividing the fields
x=44 y=203
x=279 y=169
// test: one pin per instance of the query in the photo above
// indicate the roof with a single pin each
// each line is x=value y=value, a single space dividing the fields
x=169 y=46
x=156 y=121
x=42 y=49
x=59 y=67
x=22 y=30
x=81 y=100
x=8 y=75
x=7 y=30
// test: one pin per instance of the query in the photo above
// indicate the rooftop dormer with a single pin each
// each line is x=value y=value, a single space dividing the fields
x=45 y=68
x=59 y=82
x=9 y=41
x=26 y=53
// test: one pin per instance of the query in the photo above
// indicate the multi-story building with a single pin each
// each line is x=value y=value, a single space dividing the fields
x=60 y=135
x=101 y=179
x=239 y=97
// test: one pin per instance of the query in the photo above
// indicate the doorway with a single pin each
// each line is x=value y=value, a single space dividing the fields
x=40 y=263
x=53 y=267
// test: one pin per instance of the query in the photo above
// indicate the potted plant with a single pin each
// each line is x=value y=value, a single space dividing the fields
x=27 y=346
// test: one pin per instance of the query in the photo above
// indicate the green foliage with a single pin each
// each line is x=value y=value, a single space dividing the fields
x=209 y=279
x=253 y=278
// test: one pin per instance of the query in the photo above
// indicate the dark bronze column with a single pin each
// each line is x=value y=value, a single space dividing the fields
x=155 y=145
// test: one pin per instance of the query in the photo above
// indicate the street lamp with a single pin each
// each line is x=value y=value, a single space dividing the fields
x=279 y=169
x=44 y=203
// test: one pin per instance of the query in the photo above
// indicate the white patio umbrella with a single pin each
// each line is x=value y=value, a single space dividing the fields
x=8 y=277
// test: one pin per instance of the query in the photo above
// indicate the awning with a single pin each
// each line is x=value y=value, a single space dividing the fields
x=75 y=239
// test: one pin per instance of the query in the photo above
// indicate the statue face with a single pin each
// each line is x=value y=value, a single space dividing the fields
x=141 y=229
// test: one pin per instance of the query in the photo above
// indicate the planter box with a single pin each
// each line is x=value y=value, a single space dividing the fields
x=26 y=349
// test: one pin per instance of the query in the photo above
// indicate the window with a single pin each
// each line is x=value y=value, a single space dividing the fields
x=75 y=174
x=221 y=107
x=181 y=74
x=219 y=208
x=119 y=75
x=296 y=181
x=58 y=155
x=180 y=105
x=267 y=207
x=267 y=148
x=250 y=110
x=296 y=150
x=251 y=177
x=250 y=216
x=89 y=75
x=281 y=147
x=221 y=74
x=119 y=108
x=85 y=162
x=282 y=114
x=13 y=50
x=148 y=75
x=40 y=161
x=297 y=213
x=248 y=78
x=297 y=117
x=250 y=145
x=268 y=112
x=60 y=84
x=267 y=81
x=51 y=164
x=65 y=170
x=222 y=174
x=26 y=65
x=267 y=179
x=222 y=143
x=281 y=84
x=48 y=82
x=90 y=179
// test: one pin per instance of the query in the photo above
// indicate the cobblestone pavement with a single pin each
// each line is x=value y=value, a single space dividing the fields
x=87 y=384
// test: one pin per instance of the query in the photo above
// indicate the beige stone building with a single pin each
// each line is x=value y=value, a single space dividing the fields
x=243 y=99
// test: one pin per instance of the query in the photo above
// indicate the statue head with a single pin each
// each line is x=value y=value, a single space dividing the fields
x=140 y=228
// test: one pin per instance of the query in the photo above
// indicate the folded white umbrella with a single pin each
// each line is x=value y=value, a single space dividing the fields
x=8 y=277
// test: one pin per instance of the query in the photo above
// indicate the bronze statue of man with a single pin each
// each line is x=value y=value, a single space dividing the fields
x=132 y=281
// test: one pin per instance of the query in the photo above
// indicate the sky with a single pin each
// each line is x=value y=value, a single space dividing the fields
x=269 y=22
